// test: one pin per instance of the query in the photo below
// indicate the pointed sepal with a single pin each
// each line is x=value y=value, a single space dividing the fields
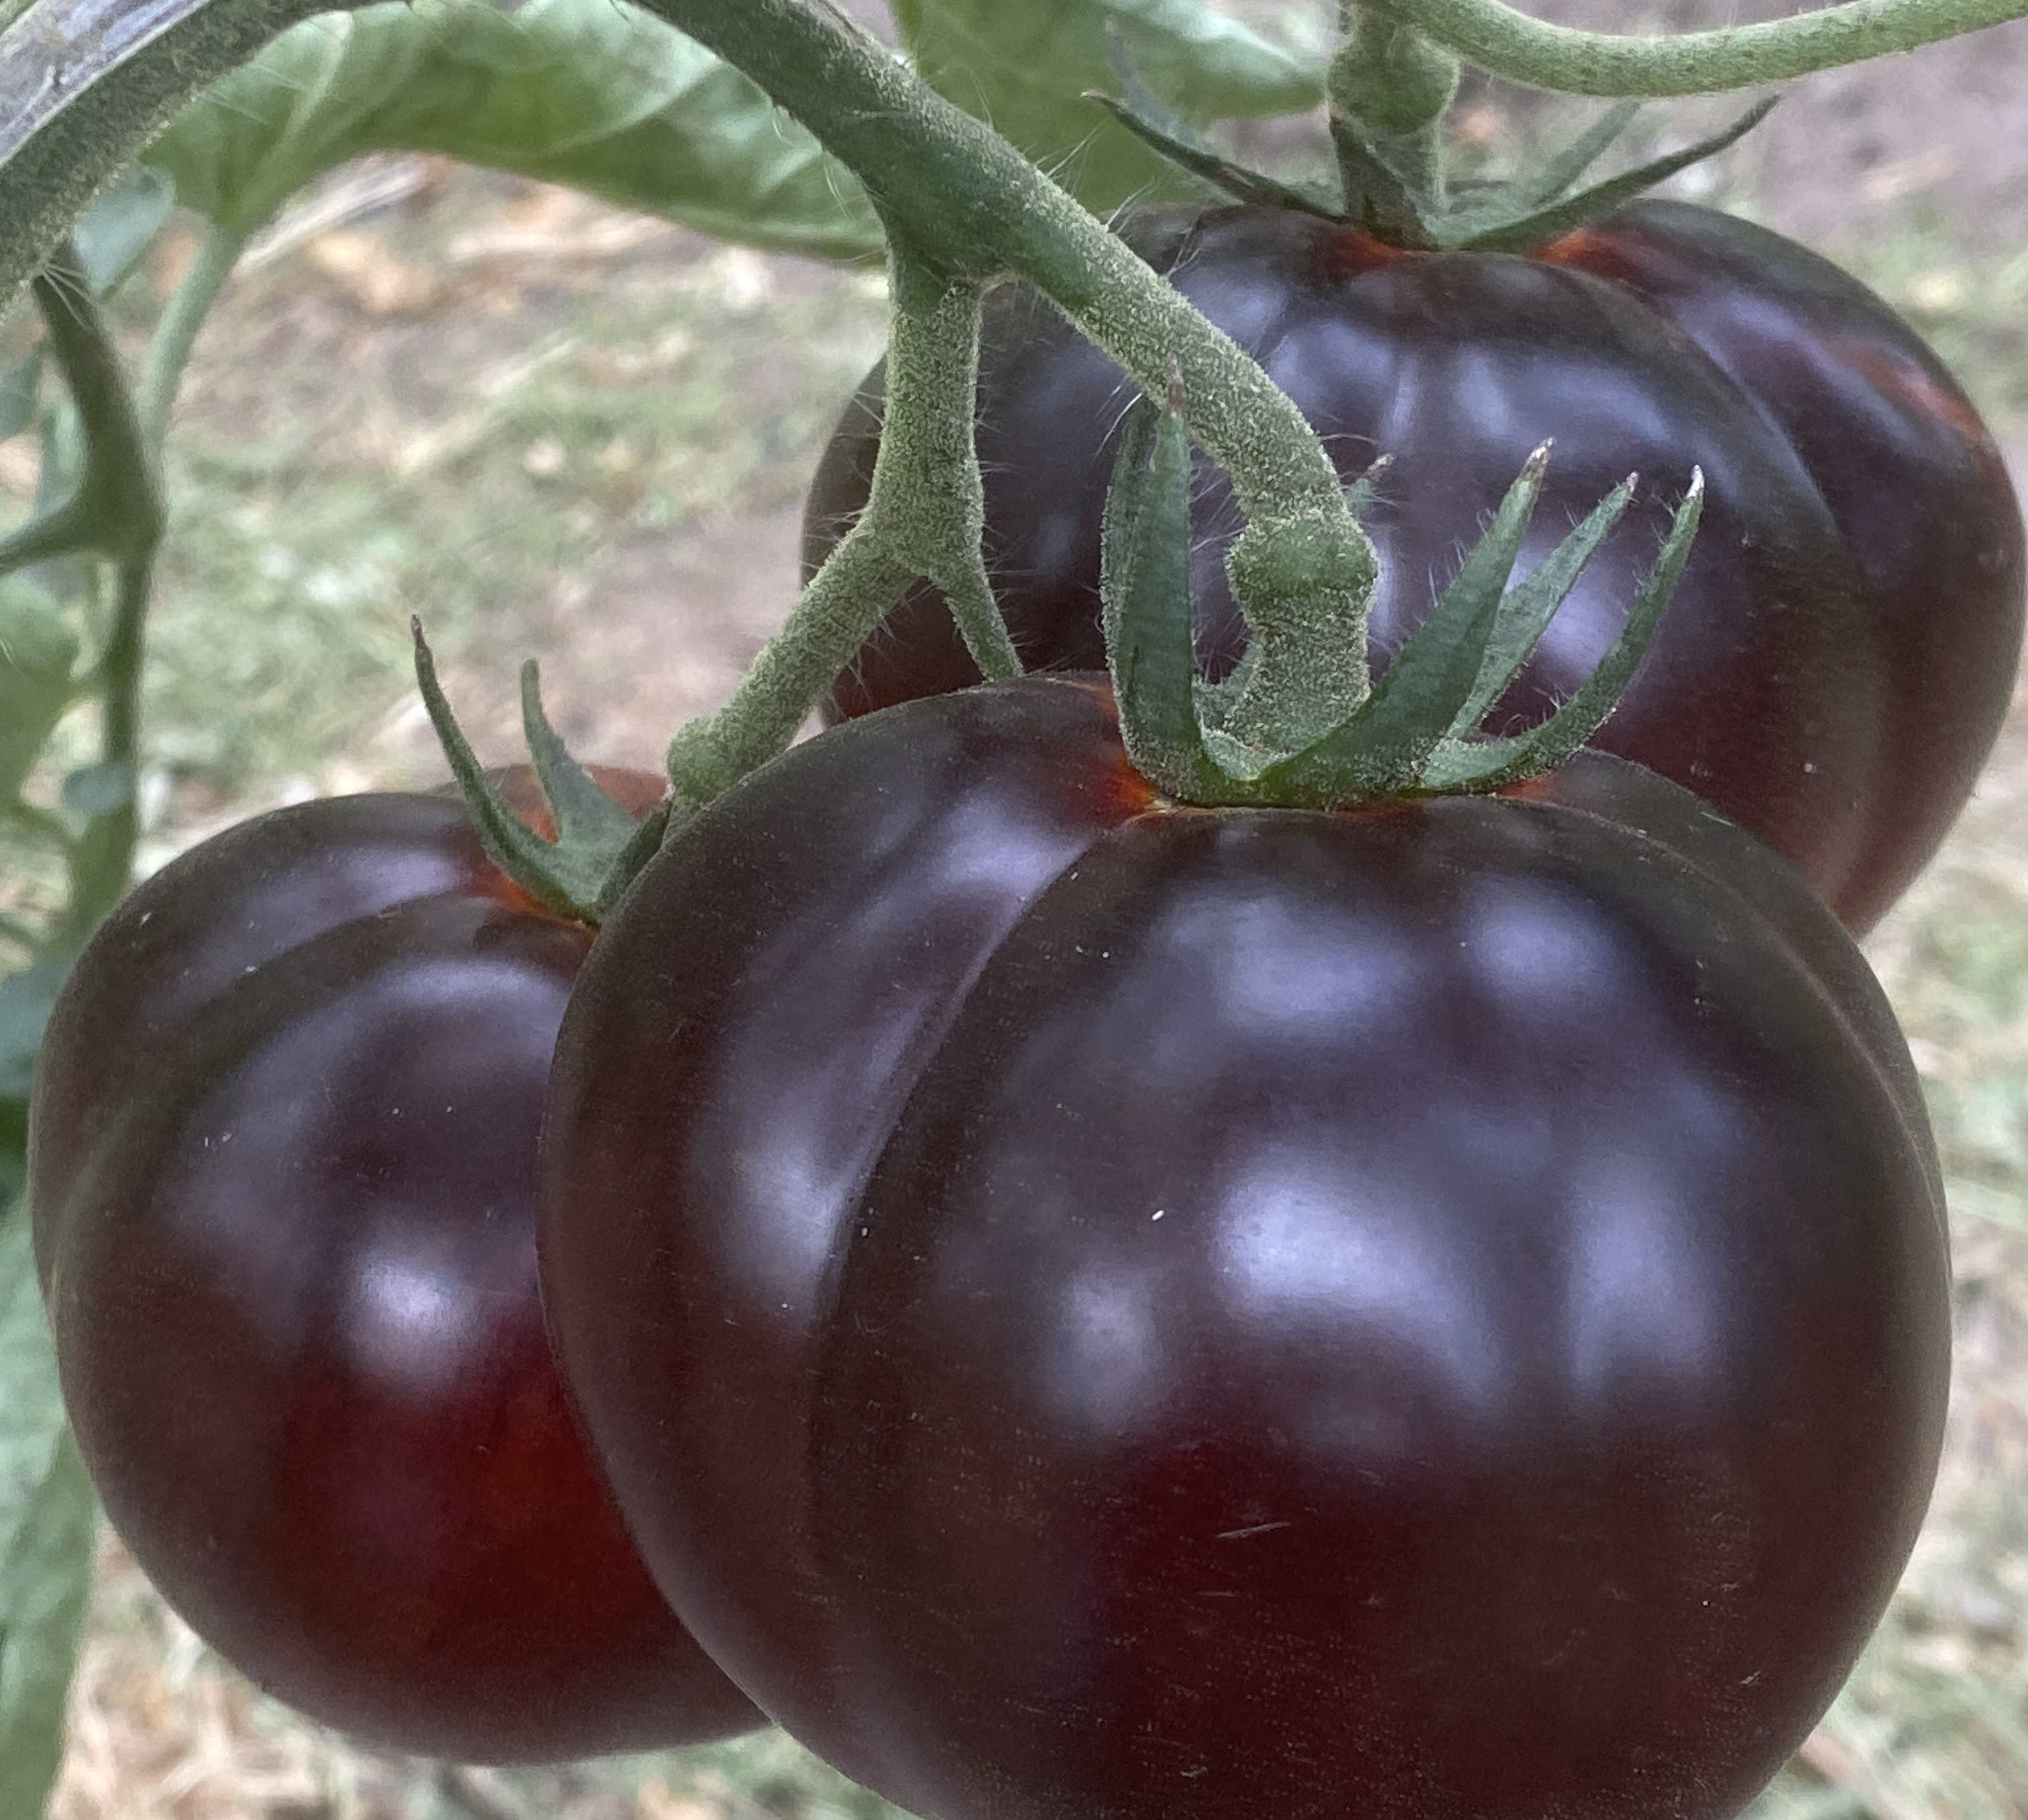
x=583 y=811
x=1380 y=197
x=1188 y=152
x=1462 y=765
x=1145 y=594
x=1536 y=228
x=581 y=872
x=1363 y=494
x=1524 y=615
x=1561 y=169
x=1144 y=113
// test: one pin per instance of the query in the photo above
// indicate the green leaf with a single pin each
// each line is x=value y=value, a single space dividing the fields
x=603 y=97
x=99 y=789
x=46 y=1520
x=1024 y=68
x=112 y=234
x=20 y=393
x=37 y=653
x=27 y=998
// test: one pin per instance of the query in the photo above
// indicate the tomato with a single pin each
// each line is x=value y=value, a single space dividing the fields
x=1838 y=658
x=1093 y=1308
x=283 y=1174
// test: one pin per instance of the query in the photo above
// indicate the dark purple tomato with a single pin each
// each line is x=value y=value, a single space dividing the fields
x=283 y=1176
x=1836 y=659
x=1099 y=1310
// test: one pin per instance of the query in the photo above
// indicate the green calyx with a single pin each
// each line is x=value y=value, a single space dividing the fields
x=599 y=845
x=1389 y=90
x=1416 y=732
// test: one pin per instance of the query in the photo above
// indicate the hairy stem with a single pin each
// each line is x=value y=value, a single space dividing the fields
x=965 y=198
x=176 y=334
x=1503 y=43
x=84 y=86
x=115 y=513
x=1395 y=82
x=923 y=517
x=790 y=673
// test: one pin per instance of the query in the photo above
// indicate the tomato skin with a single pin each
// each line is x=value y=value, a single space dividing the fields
x=1838 y=657
x=926 y=864
x=1432 y=1313
x=283 y=1173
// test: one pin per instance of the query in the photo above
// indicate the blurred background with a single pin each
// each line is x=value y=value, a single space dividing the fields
x=557 y=430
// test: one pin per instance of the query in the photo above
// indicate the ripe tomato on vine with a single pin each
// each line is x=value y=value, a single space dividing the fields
x=1838 y=657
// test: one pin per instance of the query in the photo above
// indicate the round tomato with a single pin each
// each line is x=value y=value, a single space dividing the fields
x=1837 y=657
x=283 y=1177
x=1093 y=1308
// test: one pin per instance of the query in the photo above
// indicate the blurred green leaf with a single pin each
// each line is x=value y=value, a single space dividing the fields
x=112 y=234
x=99 y=789
x=38 y=651
x=26 y=1000
x=1025 y=67
x=46 y=1516
x=20 y=392
x=603 y=97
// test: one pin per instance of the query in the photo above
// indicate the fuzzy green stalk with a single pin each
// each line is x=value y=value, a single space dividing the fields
x=1396 y=83
x=176 y=334
x=1503 y=43
x=115 y=513
x=924 y=517
x=964 y=197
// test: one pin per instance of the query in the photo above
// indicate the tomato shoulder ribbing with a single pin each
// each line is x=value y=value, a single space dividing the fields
x=1836 y=660
x=1095 y=1308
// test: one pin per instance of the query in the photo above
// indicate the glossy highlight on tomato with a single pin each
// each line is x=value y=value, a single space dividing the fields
x=283 y=1176
x=1833 y=666
x=1094 y=1308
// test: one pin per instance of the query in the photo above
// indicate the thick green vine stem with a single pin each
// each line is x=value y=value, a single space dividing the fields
x=89 y=84
x=115 y=513
x=1505 y=42
x=1396 y=84
x=924 y=517
x=964 y=199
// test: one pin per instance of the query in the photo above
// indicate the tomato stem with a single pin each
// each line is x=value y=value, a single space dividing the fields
x=1503 y=43
x=176 y=334
x=93 y=84
x=1389 y=87
x=115 y=513
x=924 y=517
x=967 y=203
